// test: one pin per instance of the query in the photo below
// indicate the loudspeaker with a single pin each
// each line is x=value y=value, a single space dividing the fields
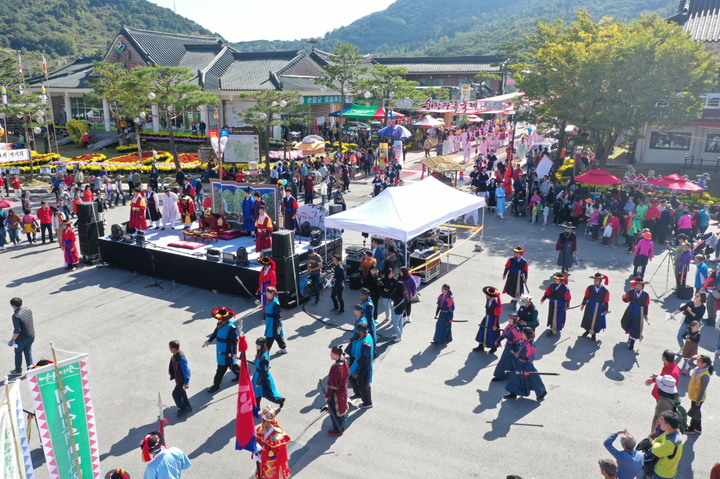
x=87 y=212
x=287 y=280
x=352 y=266
x=229 y=258
x=316 y=235
x=88 y=234
x=283 y=243
x=242 y=257
x=140 y=238
x=266 y=253
x=684 y=292
x=334 y=209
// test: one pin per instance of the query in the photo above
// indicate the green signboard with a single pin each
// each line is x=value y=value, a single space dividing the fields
x=324 y=99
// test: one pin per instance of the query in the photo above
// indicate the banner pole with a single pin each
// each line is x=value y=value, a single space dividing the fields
x=16 y=434
x=65 y=412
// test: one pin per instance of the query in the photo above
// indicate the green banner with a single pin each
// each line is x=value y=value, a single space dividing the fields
x=324 y=99
x=55 y=423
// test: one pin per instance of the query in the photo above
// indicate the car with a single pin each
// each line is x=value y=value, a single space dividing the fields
x=357 y=126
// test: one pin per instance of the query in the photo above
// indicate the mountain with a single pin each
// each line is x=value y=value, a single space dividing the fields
x=67 y=28
x=460 y=27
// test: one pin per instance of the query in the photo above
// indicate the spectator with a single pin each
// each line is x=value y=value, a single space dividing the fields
x=44 y=214
x=608 y=468
x=692 y=311
x=701 y=272
x=23 y=335
x=629 y=461
x=668 y=447
x=697 y=391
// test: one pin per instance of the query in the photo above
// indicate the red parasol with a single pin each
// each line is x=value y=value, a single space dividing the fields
x=675 y=182
x=598 y=177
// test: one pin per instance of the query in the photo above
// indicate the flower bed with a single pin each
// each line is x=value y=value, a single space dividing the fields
x=179 y=137
x=127 y=148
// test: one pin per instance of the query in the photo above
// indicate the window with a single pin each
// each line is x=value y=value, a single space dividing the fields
x=432 y=82
x=87 y=111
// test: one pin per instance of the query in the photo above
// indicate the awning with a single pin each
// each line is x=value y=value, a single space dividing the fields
x=442 y=164
x=363 y=112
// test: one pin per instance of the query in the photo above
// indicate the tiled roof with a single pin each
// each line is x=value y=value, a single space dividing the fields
x=467 y=64
x=165 y=49
x=198 y=57
x=323 y=58
x=73 y=75
x=292 y=83
x=701 y=18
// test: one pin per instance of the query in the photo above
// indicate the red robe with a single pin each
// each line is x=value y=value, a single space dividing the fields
x=273 y=456
x=137 y=213
x=263 y=228
x=267 y=278
x=187 y=211
x=69 y=245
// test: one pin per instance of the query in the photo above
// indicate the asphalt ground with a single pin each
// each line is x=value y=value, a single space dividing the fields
x=436 y=413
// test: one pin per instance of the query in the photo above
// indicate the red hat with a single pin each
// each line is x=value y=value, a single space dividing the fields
x=637 y=280
x=490 y=291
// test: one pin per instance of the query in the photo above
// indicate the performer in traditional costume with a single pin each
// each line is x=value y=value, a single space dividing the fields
x=262 y=379
x=362 y=352
x=490 y=325
x=516 y=272
x=513 y=336
x=162 y=463
x=559 y=296
x=137 y=211
x=259 y=203
x=444 y=316
x=273 y=323
x=273 y=457
x=368 y=310
x=290 y=207
x=267 y=278
x=336 y=396
x=69 y=246
x=596 y=299
x=186 y=207
x=637 y=311
x=248 y=206
x=227 y=341
x=263 y=228
x=170 y=212
x=152 y=212
x=524 y=381
x=566 y=247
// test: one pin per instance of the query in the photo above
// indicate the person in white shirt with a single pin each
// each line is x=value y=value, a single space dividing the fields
x=323 y=192
x=170 y=212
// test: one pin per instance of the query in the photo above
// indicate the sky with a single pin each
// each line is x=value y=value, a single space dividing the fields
x=244 y=20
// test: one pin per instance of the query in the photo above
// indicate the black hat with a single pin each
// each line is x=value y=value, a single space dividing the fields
x=567 y=224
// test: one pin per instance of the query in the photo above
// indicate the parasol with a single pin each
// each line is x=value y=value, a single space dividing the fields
x=396 y=132
x=310 y=146
x=675 y=182
x=7 y=204
x=598 y=177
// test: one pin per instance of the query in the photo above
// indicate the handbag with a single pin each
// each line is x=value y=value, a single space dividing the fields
x=716 y=294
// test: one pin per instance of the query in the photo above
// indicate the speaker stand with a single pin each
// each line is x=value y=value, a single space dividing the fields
x=156 y=284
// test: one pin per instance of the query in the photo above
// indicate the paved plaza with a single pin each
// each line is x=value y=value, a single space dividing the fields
x=436 y=412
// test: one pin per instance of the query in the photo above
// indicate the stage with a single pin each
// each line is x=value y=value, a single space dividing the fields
x=156 y=258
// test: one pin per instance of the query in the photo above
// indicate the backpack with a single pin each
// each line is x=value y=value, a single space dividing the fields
x=682 y=416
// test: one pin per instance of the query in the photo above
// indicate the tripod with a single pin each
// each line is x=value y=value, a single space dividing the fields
x=667 y=275
x=153 y=261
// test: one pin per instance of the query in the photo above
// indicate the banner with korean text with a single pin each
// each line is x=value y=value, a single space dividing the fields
x=48 y=385
x=16 y=462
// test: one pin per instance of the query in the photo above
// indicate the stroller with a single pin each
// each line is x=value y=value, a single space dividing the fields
x=519 y=206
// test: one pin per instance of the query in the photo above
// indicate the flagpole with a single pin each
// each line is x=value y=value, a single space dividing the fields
x=66 y=413
x=16 y=434
x=52 y=113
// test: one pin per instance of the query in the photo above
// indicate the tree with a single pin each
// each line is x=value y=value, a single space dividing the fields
x=170 y=90
x=385 y=83
x=123 y=102
x=611 y=78
x=266 y=113
x=342 y=74
x=30 y=113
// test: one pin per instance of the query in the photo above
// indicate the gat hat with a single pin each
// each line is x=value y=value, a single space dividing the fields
x=519 y=249
x=559 y=276
x=599 y=275
x=638 y=280
x=257 y=193
x=524 y=299
x=666 y=384
x=222 y=313
x=365 y=291
x=264 y=260
x=166 y=189
x=567 y=224
x=490 y=291
x=117 y=474
x=248 y=190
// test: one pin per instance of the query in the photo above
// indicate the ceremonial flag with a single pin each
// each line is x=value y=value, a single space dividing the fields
x=20 y=63
x=247 y=409
x=4 y=95
x=44 y=65
x=43 y=95
x=17 y=463
x=55 y=417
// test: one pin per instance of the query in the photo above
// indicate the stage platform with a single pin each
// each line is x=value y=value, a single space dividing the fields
x=156 y=258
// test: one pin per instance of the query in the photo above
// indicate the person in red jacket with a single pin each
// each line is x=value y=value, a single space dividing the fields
x=44 y=214
x=16 y=186
x=70 y=249
x=87 y=195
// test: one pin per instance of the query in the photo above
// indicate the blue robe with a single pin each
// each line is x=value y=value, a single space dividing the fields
x=500 y=198
x=248 y=205
x=521 y=384
x=226 y=345
x=369 y=315
x=262 y=379
x=168 y=463
x=273 y=323
x=363 y=351
x=444 y=312
x=507 y=362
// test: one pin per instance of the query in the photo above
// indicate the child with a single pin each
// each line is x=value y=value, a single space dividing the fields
x=692 y=339
x=536 y=206
x=545 y=213
x=76 y=200
x=179 y=372
x=30 y=226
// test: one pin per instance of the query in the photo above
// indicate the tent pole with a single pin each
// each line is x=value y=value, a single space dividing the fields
x=482 y=233
x=406 y=255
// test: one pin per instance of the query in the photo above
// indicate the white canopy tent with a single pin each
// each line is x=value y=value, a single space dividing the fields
x=403 y=213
